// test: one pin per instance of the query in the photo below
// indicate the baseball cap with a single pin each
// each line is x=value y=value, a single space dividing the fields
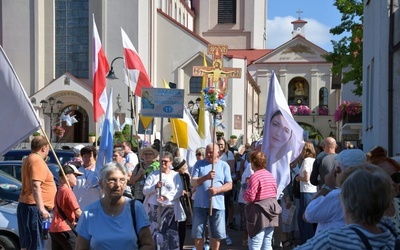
x=69 y=169
x=351 y=157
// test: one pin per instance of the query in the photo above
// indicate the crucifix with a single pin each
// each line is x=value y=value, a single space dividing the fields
x=216 y=74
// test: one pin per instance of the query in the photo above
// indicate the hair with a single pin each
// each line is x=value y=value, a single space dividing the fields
x=308 y=150
x=109 y=168
x=377 y=154
x=366 y=194
x=167 y=154
x=128 y=143
x=120 y=151
x=89 y=150
x=172 y=147
x=226 y=145
x=38 y=142
x=258 y=159
x=202 y=151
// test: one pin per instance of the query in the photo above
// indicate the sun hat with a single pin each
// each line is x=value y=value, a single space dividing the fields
x=146 y=149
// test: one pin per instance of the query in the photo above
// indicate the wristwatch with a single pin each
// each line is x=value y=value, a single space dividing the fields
x=327 y=187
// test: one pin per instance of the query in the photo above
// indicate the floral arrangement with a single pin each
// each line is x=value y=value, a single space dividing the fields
x=347 y=108
x=300 y=110
x=59 y=131
x=214 y=100
x=323 y=110
x=219 y=133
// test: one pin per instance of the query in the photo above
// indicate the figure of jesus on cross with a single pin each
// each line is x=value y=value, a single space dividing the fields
x=217 y=75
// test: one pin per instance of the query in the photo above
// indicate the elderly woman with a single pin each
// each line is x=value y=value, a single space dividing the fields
x=142 y=170
x=262 y=210
x=363 y=206
x=162 y=191
x=108 y=223
x=118 y=157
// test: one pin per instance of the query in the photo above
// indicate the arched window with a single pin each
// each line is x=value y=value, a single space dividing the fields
x=195 y=84
x=298 y=90
x=323 y=101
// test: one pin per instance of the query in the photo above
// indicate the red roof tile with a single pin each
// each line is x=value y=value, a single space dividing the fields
x=250 y=54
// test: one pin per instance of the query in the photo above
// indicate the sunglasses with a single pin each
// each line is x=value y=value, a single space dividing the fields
x=198 y=154
x=395 y=177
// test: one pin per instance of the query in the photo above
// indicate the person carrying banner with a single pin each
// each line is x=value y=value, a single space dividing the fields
x=222 y=182
x=36 y=200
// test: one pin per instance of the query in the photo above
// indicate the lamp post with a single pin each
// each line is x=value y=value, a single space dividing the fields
x=111 y=75
x=194 y=109
x=51 y=101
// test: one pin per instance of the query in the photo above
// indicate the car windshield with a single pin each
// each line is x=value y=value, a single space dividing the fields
x=7 y=182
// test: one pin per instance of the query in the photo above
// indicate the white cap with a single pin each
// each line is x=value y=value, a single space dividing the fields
x=77 y=149
x=351 y=157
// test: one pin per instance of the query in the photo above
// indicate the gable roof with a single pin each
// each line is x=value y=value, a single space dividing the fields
x=297 y=50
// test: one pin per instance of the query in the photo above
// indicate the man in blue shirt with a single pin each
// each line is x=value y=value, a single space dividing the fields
x=211 y=184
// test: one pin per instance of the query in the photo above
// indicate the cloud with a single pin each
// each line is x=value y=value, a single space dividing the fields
x=279 y=31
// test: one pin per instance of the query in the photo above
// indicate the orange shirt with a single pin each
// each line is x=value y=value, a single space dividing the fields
x=34 y=168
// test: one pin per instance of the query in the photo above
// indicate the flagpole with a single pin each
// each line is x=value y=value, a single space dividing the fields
x=55 y=155
x=160 y=160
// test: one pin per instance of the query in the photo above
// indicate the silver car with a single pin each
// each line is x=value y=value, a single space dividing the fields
x=8 y=225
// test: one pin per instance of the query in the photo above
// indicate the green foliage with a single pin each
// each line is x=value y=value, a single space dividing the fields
x=36 y=133
x=92 y=134
x=119 y=137
x=347 y=52
x=126 y=131
x=233 y=137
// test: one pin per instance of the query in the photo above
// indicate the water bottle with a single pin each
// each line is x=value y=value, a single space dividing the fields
x=45 y=228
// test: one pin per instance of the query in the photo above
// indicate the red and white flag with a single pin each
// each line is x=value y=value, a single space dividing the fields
x=100 y=69
x=136 y=73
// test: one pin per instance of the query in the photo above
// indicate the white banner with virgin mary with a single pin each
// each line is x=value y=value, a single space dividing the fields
x=283 y=136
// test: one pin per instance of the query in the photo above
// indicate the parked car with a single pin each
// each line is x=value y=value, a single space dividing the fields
x=10 y=188
x=19 y=154
x=13 y=168
x=8 y=225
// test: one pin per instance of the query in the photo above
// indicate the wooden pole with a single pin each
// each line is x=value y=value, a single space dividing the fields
x=212 y=165
x=55 y=155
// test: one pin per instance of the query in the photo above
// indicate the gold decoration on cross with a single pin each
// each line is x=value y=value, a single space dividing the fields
x=216 y=74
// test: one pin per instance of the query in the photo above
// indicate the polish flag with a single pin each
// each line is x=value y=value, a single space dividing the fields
x=100 y=69
x=136 y=73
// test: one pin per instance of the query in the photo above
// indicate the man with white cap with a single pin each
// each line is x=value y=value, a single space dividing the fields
x=325 y=209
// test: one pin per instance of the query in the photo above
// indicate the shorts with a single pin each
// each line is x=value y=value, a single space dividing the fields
x=217 y=223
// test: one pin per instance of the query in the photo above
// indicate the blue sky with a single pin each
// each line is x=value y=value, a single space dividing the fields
x=321 y=16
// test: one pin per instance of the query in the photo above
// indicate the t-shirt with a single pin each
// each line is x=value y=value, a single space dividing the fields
x=132 y=158
x=261 y=185
x=346 y=238
x=108 y=232
x=222 y=176
x=34 y=168
x=87 y=189
x=307 y=166
x=246 y=174
x=66 y=200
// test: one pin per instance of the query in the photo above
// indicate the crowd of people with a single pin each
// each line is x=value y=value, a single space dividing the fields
x=148 y=199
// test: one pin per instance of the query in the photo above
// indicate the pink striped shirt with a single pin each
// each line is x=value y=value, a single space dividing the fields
x=261 y=185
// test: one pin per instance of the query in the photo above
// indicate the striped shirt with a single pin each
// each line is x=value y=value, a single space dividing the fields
x=261 y=185
x=346 y=238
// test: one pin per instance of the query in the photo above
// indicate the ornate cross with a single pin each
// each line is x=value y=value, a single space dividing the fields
x=217 y=75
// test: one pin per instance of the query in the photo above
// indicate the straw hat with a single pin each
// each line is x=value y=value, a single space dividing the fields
x=146 y=149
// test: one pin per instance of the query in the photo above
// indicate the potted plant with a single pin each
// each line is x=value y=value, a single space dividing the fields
x=300 y=110
x=348 y=110
x=92 y=137
x=233 y=139
x=36 y=133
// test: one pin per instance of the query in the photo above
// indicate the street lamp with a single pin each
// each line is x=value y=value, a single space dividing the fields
x=51 y=101
x=111 y=75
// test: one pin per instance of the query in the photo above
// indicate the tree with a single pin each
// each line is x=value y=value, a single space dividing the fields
x=347 y=52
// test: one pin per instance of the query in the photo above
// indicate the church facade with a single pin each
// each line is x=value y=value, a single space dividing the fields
x=49 y=44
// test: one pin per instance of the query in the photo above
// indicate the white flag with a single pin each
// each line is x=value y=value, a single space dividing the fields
x=18 y=117
x=283 y=136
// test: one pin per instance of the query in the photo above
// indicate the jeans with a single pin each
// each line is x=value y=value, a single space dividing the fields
x=262 y=240
x=306 y=229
